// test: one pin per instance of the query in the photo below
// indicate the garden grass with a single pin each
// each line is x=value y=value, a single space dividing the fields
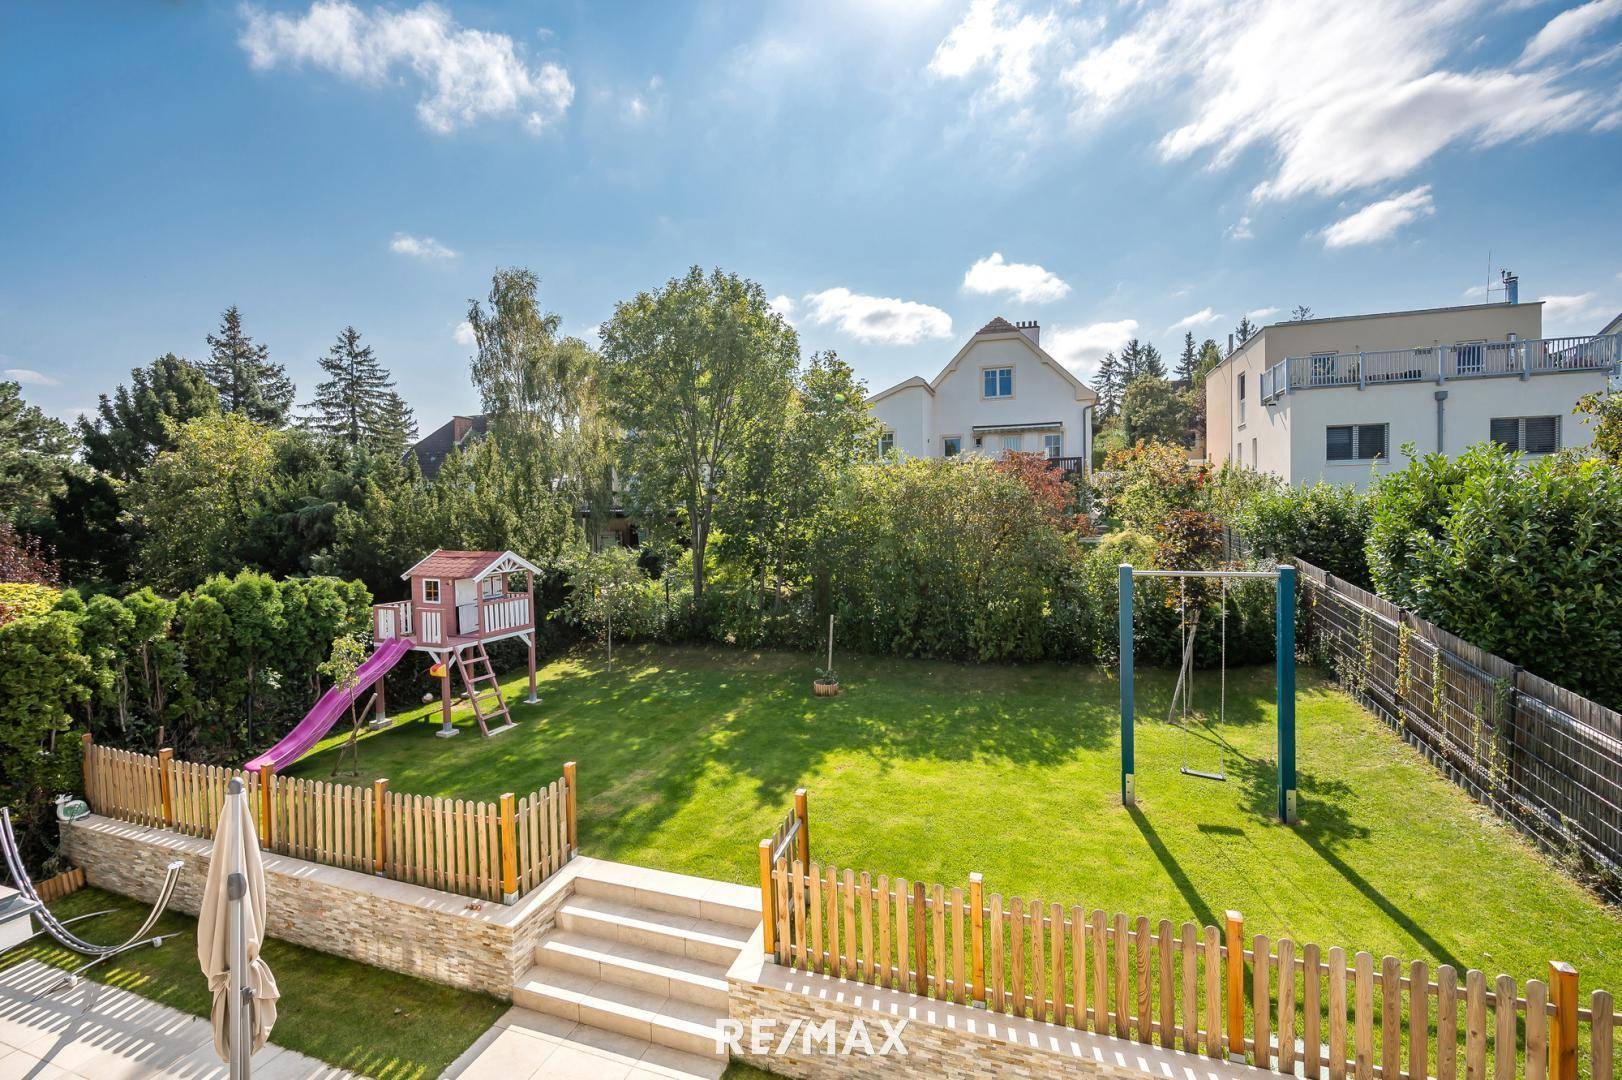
x=687 y=757
x=361 y=1018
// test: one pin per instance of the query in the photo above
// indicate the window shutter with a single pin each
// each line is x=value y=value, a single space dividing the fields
x=1542 y=434
x=1505 y=431
x=1371 y=442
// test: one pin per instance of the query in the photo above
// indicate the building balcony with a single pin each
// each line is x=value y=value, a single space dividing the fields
x=1440 y=363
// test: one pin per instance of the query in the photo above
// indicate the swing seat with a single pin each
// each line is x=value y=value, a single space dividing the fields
x=1186 y=771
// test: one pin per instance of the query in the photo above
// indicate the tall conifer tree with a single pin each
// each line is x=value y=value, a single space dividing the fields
x=249 y=384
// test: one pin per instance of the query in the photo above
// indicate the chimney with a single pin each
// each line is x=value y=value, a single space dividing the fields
x=1512 y=287
x=1031 y=330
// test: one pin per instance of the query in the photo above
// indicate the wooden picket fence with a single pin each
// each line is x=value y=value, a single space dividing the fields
x=486 y=850
x=66 y=883
x=1206 y=990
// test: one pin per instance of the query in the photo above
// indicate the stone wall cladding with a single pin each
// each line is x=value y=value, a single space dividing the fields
x=469 y=944
x=942 y=1039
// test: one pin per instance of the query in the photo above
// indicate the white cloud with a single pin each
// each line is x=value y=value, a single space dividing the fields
x=644 y=105
x=1578 y=313
x=1240 y=230
x=1568 y=29
x=1476 y=293
x=1261 y=313
x=784 y=306
x=30 y=377
x=1340 y=96
x=1026 y=282
x=419 y=247
x=1203 y=317
x=1380 y=220
x=465 y=75
x=1080 y=348
x=878 y=320
x=996 y=37
x=464 y=334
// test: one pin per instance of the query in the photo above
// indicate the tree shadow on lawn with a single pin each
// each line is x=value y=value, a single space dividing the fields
x=1324 y=824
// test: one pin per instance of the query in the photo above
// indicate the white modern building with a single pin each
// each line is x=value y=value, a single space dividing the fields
x=1335 y=399
x=1001 y=392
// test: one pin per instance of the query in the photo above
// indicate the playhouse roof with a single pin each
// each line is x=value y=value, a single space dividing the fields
x=462 y=565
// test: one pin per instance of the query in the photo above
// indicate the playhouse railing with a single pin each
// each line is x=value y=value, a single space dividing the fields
x=391 y=620
x=487 y=850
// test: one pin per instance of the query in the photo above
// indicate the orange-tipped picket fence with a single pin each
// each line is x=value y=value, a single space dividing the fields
x=486 y=850
x=1280 y=1005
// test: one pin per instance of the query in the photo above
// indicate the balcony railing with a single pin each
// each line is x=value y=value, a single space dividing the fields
x=1439 y=363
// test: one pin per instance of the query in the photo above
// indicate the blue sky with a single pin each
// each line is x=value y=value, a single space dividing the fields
x=895 y=173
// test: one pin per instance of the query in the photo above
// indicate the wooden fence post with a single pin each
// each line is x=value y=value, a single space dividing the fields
x=380 y=823
x=1563 y=1032
x=920 y=944
x=509 y=849
x=86 y=744
x=1235 y=988
x=977 y=934
x=166 y=755
x=768 y=894
x=803 y=813
x=267 y=781
x=571 y=847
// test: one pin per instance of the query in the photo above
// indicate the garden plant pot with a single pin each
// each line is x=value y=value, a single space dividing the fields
x=825 y=689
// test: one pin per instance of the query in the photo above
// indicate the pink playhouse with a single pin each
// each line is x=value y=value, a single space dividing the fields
x=461 y=601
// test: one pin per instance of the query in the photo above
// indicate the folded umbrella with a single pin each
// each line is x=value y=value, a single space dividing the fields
x=236 y=879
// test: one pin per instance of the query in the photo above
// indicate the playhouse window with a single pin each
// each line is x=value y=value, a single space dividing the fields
x=492 y=586
x=430 y=590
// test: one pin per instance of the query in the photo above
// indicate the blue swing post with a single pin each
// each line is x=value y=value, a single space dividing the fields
x=1128 y=797
x=1284 y=688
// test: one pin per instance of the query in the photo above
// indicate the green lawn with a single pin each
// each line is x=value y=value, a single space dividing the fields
x=323 y=997
x=688 y=756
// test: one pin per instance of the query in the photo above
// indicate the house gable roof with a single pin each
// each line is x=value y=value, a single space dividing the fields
x=998 y=329
x=468 y=565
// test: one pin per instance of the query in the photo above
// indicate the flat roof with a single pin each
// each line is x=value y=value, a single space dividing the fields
x=1241 y=346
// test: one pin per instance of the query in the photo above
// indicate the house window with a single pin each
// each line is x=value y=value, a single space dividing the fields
x=886 y=444
x=1254 y=457
x=1527 y=434
x=1011 y=444
x=430 y=590
x=1241 y=399
x=492 y=586
x=1356 y=442
x=997 y=382
x=951 y=446
x=1470 y=357
x=1053 y=445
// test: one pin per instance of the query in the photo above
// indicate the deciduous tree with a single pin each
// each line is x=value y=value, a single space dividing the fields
x=695 y=369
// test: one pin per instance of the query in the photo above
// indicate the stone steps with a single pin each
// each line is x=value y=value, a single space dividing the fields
x=642 y=954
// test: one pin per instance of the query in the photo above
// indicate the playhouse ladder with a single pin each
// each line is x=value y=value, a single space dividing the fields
x=483 y=690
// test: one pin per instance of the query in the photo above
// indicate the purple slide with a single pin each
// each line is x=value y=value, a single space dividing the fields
x=333 y=704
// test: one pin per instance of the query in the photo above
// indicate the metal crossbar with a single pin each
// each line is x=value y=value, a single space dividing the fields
x=1269 y=574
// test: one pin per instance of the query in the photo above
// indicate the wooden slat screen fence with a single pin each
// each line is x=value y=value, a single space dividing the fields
x=1288 y=1007
x=66 y=883
x=486 y=850
x=1542 y=758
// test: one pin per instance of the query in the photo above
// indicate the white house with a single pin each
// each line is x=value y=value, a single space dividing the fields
x=1334 y=399
x=1000 y=392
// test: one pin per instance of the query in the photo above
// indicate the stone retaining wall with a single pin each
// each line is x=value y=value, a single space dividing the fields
x=470 y=944
x=941 y=1039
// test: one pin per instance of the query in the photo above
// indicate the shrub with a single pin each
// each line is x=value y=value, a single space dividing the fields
x=1141 y=486
x=1521 y=560
x=1325 y=524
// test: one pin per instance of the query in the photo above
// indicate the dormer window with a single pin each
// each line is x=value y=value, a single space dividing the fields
x=997 y=382
x=430 y=590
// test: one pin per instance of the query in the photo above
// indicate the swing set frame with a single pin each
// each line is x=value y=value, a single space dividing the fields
x=1283 y=674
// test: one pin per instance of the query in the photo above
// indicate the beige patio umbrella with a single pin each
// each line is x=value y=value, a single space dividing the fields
x=230 y=931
